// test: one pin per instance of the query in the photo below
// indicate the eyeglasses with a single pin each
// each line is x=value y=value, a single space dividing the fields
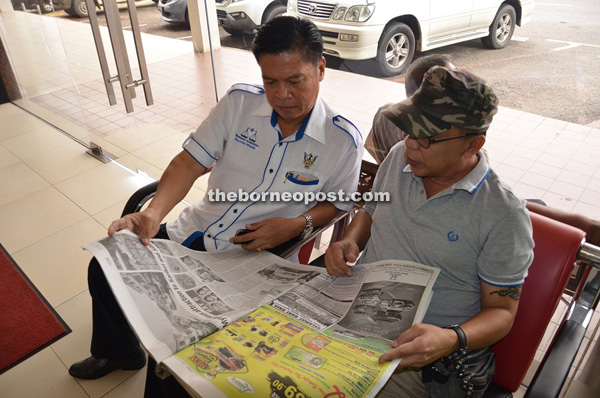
x=427 y=141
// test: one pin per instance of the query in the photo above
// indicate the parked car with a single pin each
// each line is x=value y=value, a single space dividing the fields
x=245 y=16
x=390 y=31
x=46 y=6
x=78 y=8
x=75 y=8
x=174 y=11
x=235 y=16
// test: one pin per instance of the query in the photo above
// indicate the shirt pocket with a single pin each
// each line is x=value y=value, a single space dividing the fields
x=300 y=178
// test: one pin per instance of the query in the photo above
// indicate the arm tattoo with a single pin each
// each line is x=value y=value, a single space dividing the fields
x=512 y=292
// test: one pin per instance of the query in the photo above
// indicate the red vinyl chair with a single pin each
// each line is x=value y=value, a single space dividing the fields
x=556 y=248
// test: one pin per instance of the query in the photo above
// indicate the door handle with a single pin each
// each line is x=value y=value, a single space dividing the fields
x=117 y=39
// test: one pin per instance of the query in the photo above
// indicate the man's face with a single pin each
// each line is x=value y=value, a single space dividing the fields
x=445 y=160
x=291 y=85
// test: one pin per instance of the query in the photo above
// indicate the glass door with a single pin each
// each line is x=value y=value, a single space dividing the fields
x=49 y=84
x=56 y=64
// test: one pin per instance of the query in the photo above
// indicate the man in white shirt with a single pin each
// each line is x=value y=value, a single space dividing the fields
x=278 y=138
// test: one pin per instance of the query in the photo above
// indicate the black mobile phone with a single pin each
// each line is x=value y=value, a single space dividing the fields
x=242 y=231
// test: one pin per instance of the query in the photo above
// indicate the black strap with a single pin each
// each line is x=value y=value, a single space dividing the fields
x=462 y=341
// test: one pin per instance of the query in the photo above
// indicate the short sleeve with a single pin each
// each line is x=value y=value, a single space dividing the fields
x=508 y=250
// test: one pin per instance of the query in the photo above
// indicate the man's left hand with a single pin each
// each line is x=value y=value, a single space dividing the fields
x=421 y=345
x=270 y=233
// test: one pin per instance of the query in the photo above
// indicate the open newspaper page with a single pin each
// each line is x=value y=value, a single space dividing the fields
x=320 y=339
x=173 y=296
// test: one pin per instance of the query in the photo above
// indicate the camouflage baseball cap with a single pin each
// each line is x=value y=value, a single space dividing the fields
x=446 y=99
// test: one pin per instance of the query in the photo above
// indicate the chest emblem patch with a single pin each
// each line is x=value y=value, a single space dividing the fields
x=247 y=138
x=309 y=160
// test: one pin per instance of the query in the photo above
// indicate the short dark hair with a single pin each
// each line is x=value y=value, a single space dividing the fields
x=416 y=70
x=287 y=35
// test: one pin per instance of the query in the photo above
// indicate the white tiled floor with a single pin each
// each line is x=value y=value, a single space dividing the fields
x=54 y=197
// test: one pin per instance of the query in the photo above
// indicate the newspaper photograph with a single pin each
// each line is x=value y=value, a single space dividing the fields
x=381 y=299
x=173 y=296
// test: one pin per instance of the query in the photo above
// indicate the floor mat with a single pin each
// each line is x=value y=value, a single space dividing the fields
x=27 y=321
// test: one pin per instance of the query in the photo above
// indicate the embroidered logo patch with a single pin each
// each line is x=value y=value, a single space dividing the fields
x=247 y=138
x=309 y=160
x=452 y=236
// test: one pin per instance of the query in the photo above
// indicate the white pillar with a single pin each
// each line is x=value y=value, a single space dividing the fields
x=6 y=6
x=199 y=24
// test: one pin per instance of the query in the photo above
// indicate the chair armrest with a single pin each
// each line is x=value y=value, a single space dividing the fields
x=552 y=373
x=554 y=369
x=143 y=195
x=286 y=249
x=139 y=198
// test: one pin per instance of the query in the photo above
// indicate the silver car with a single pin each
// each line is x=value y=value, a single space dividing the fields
x=174 y=11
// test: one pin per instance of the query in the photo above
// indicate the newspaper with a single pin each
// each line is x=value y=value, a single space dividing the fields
x=239 y=323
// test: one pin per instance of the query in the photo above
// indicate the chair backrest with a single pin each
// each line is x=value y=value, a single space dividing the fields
x=556 y=248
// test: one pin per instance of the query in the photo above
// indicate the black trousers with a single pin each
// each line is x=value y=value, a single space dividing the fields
x=112 y=336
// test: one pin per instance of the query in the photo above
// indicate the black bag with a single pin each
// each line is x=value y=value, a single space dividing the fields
x=474 y=371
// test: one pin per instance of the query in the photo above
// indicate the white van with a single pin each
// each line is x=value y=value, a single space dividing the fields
x=392 y=30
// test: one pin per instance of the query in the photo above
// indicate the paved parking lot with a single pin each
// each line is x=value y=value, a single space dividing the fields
x=551 y=68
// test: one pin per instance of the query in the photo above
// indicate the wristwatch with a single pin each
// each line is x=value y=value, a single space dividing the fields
x=462 y=341
x=309 y=226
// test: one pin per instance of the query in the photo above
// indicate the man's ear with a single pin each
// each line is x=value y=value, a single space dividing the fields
x=321 y=66
x=475 y=145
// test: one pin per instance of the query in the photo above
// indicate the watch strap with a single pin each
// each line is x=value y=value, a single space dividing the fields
x=309 y=225
x=462 y=340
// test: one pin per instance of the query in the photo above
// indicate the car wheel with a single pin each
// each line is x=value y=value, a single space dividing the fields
x=78 y=8
x=70 y=12
x=274 y=10
x=46 y=6
x=186 y=22
x=396 y=49
x=502 y=29
x=233 y=32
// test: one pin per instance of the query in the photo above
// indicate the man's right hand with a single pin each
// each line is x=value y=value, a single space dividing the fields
x=338 y=255
x=174 y=184
x=144 y=224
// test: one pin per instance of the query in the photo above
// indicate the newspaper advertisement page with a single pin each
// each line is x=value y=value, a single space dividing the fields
x=393 y=297
x=173 y=296
x=320 y=339
x=269 y=354
x=380 y=300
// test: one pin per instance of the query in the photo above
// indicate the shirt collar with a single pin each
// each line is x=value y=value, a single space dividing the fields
x=476 y=177
x=314 y=128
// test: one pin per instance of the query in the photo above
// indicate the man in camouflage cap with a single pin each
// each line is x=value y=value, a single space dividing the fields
x=448 y=210
x=447 y=98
